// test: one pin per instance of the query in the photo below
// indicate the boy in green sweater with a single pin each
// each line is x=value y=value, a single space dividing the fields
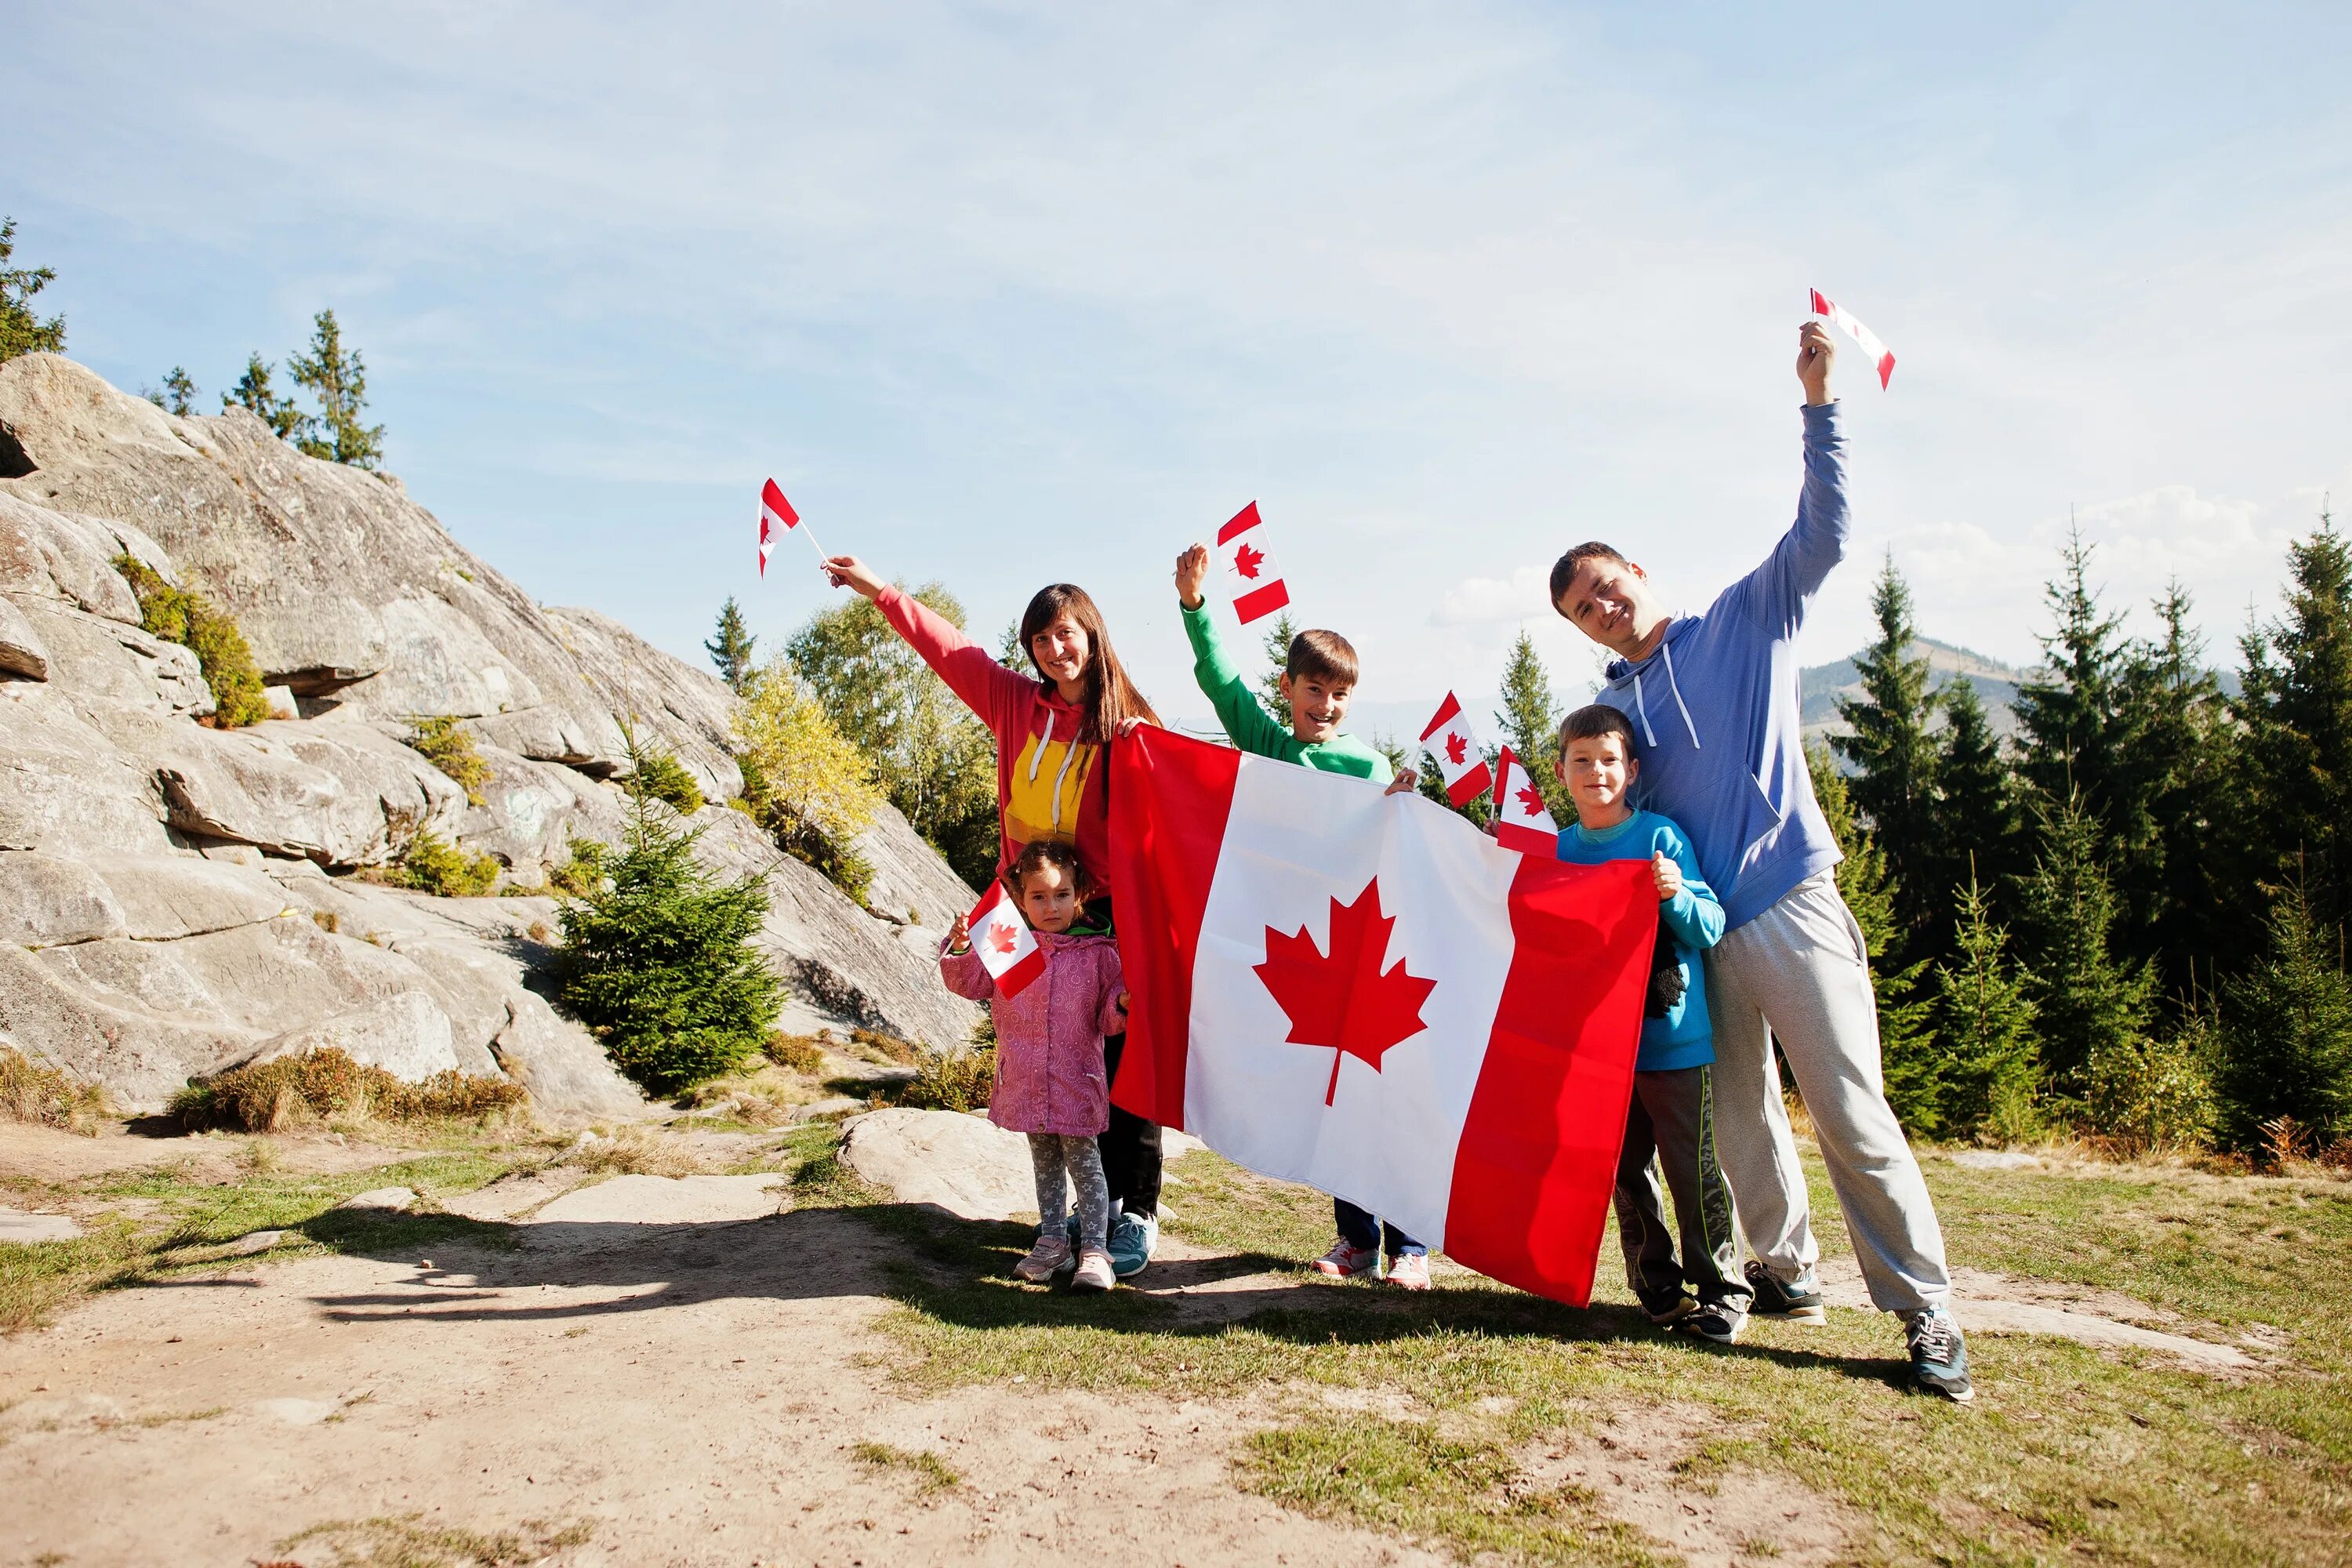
x=1318 y=679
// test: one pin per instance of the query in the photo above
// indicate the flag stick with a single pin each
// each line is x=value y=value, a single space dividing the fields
x=804 y=528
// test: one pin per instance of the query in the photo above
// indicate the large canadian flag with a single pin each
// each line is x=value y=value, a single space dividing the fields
x=1364 y=993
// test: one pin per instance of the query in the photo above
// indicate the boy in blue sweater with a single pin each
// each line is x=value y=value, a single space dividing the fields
x=1672 y=1118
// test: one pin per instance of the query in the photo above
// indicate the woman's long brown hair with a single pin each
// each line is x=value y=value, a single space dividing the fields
x=1111 y=697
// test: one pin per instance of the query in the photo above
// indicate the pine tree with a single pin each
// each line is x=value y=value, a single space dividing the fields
x=1907 y=1041
x=2179 y=771
x=2068 y=711
x=657 y=958
x=21 y=332
x=730 y=648
x=2296 y=707
x=339 y=381
x=253 y=390
x=1529 y=720
x=2090 y=1000
x=1976 y=828
x=178 y=394
x=1991 y=1073
x=1278 y=639
x=2287 y=1048
x=1009 y=651
x=1893 y=786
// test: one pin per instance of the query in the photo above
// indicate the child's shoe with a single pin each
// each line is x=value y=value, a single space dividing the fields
x=1715 y=1320
x=1410 y=1271
x=1047 y=1259
x=1774 y=1299
x=1665 y=1311
x=1346 y=1260
x=1094 y=1270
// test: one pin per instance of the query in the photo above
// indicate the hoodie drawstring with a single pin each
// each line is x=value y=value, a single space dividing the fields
x=1037 y=755
x=1643 y=709
x=1672 y=685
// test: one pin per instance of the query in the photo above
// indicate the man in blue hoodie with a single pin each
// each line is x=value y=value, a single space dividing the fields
x=1714 y=703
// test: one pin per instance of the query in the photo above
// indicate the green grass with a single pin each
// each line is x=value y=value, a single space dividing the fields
x=2069 y=1452
x=409 y=1542
x=931 y=1474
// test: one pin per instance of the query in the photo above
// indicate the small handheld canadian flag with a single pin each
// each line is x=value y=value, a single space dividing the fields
x=1522 y=821
x=1007 y=947
x=1255 y=582
x=775 y=510
x=1455 y=744
x=1880 y=355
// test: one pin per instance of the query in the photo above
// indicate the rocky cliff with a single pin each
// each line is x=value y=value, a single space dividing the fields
x=176 y=898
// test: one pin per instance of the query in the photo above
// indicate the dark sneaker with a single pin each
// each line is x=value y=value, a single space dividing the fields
x=1939 y=1356
x=1774 y=1299
x=1714 y=1320
x=1133 y=1239
x=1665 y=1311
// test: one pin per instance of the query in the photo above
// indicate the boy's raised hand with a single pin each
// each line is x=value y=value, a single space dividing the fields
x=1815 y=353
x=1191 y=571
x=849 y=571
x=1667 y=875
x=1406 y=780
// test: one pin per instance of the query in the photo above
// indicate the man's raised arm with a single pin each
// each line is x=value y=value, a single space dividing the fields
x=1775 y=593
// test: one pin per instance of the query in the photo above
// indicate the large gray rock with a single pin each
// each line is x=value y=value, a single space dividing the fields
x=22 y=651
x=64 y=786
x=46 y=900
x=119 y=663
x=963 y=1163
x=407 y=1034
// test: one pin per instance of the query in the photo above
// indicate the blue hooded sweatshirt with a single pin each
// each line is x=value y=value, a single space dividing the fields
x=1714 y=707
x=1683 y=1038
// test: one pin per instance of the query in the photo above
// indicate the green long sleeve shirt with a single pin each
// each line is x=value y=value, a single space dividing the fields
x=1250 y=726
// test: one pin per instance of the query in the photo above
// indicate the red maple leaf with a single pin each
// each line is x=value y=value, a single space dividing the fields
x=1530 y=800
x=1246 y=559
x=1456 y=747
x=1342 y=1000
x=1002 y=939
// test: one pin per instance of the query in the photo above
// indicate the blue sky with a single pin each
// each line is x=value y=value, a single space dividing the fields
x=1003 y=294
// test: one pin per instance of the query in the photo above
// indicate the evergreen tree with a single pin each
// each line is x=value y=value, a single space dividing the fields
x=1976 y=828
x=1894 y=757
x=2287 y=1049
x=1529 y=720
x=730 y=648
x=2090 y=1000
x=21 y=332
x=178 y=394
x=1906 y=1042
x=1993 y=1071
x=2070 y=710
x=1009 y=651
x=339 y=381
x=1278 y=637
x=2296 y=707
x=253 y=390
x=2179 y=770
x=657 y=958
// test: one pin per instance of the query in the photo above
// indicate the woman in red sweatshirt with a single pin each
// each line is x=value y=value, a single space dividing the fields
x=1052 y=783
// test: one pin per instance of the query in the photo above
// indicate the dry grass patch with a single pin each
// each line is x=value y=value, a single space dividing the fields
x=931 y=1474
x=633 y=1152
x=409 y=1542
x=324 y=1086
x=31 y=1091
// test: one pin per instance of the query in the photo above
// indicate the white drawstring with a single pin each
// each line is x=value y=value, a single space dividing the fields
x=1069 y=755
x=1644 y=709
x=1037 y=752
x=1673 y=685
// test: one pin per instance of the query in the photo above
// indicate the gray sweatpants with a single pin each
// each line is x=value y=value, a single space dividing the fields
x=1670 y=1121
x=1799 y=973
x=1062 y=1163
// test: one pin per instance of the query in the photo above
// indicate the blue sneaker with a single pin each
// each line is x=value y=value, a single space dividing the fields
x=1939 y=1356
x=1133 y=1239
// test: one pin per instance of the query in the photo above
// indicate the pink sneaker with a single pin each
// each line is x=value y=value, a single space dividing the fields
x=1345 y=1261
x=1094 y=1270
x=1410 y=1271
x=1047 y=1259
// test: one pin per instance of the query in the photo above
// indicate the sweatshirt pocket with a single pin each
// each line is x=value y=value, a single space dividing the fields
x=1762 y=818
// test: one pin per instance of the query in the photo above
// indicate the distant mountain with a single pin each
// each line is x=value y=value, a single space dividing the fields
x=1996 y=685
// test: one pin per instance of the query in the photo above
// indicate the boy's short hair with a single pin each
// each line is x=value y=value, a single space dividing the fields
x=1321 y=655
x=1564 y=570
x=1594 y=720
x=1039 y=853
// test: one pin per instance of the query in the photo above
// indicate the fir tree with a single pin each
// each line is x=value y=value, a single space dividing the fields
x=2180 y=771
x=657 y=958
x=1529 y=720
x=2287 y=1049
x=2296 y=707
x=21 y=332
x=1993 y=1071
x=2068 y=711
x=1893 y=785
x=1009 y=651
x=253 y=390
x=178 y=394
x=1278 y=639
x=1906 y=1040
x=1976 y=830
x=2090 y=1000
x=730 y=648
x=339 y=381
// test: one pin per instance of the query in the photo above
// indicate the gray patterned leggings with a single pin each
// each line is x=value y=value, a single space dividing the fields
x=1057 y=1159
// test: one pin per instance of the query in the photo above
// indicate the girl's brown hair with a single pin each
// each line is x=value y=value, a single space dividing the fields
x=1111 y=697
x=1042 y=852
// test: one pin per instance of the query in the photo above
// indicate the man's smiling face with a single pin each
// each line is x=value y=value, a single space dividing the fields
x=1611 y=602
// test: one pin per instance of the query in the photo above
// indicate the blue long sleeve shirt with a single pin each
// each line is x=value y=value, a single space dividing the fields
x=1683 y=1038
x=1718 y=721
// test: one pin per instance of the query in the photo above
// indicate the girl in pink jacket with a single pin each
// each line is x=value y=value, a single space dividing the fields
x=1050 y=1083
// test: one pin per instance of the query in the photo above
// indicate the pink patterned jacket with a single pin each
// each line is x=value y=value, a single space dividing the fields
x=1049 y=1038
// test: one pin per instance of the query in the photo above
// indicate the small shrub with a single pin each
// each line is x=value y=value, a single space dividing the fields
x=327 y=1084
x=890 y=1047
x=440 y=741
x=444 y=869
x=635 y=1151
x=2153 y=1096
x=538 y=932
x=799 y=1053
x=583 y=871
x=327 y=921
x=957 y=1079
x=178 y=614
x=659 y=775
x=30 y=1092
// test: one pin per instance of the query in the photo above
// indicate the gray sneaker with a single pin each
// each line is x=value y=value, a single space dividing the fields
x=1939 y=1356
x=1774 y=1299
x=1716 y=1321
